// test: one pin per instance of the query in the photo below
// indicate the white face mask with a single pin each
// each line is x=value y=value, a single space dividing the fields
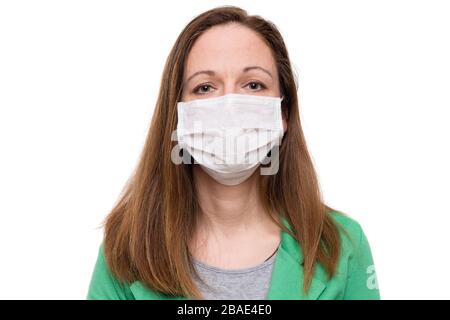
x=229 y=136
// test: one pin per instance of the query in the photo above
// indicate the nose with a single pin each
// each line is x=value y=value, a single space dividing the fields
x=230 y=86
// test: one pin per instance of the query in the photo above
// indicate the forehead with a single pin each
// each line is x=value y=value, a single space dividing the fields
x=229 y=47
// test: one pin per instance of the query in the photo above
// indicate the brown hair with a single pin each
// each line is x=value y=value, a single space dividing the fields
x=147 y=232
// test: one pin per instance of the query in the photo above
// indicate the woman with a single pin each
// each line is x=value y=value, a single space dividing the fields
x=198 y=223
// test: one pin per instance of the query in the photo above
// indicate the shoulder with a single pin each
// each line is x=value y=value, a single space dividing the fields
x=355 y=247
x=349 y=223
x=356 y=263
x=103 y=284
x=353 y=237
x=347 y=226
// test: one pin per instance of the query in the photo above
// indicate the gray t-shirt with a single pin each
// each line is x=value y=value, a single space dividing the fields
x=235 y=284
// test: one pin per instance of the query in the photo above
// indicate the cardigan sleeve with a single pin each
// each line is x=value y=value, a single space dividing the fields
x=103 y=285
x=362 y=282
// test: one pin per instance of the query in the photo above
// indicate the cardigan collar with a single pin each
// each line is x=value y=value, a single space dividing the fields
x=287 y=276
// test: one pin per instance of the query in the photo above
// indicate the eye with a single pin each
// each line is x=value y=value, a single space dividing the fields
x=256 y=86
x=202 y=89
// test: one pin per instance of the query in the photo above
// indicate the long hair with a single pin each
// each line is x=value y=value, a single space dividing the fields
x=147 y=232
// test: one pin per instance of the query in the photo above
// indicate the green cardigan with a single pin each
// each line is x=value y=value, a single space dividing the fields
x=355 y=277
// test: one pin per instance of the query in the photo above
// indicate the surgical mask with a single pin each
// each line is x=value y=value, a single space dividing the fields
x=231 y=135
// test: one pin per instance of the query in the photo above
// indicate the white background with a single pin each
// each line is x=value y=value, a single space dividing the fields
x=79 y=81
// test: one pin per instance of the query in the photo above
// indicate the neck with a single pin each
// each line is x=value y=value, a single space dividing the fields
x=229 y=211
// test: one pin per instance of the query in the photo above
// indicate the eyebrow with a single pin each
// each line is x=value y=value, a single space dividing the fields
x=212 y=73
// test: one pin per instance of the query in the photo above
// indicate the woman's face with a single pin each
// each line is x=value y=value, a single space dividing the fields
x=229 y=59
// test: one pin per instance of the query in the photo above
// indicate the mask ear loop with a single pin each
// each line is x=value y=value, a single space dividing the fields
x=264 y=165
x=285 y=114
